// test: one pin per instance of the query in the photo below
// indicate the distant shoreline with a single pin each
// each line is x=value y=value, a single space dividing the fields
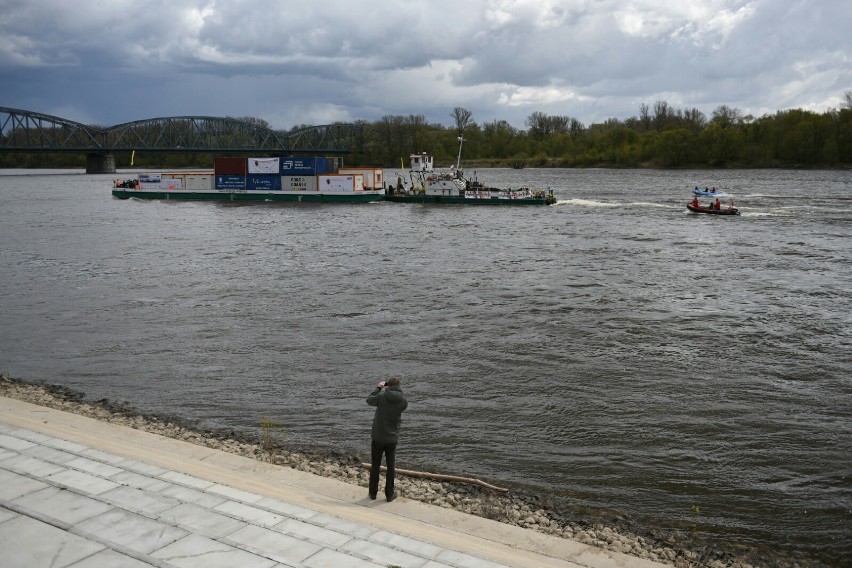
x=515 y=508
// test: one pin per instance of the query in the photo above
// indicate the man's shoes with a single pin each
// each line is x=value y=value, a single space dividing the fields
x=373 y=496
x=391 y=497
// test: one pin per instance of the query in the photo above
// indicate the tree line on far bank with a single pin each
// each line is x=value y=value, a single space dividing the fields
x=660 y=136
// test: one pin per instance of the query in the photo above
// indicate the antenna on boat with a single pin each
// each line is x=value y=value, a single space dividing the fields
x=458 y=160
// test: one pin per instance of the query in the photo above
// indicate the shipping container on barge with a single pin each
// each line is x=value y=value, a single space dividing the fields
x=300 y=179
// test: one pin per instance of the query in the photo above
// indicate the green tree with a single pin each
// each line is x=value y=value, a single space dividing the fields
x=675 y=147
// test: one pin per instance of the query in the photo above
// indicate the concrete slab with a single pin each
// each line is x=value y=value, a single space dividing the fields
x=28 y=435
x=108 y=558
x=13 y=485
x=342 y=526
x=287 y=509
x=201 y=520
x=190 y=495
x=234 y=494
x=249 y=514
x=381 y=554
x=94 y=467
x=313 y=533
x=25 y=464
x=28 y=542
x=139 y=481
x=462 y=560
x=139 y=501
x=62 y=505
x=104 y=457
x=196 y=551
x=272 y=544
x=6 y=514
x=188 y=480
x=49 y=454
x=140 y=467
x=12 y=443
x=326 y=558
x=64 y=445
x=133 y=531
x=82 y=482
x=410 y=545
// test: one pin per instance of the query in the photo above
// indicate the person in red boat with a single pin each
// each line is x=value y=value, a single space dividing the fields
x=695 y=202
x=717 y=205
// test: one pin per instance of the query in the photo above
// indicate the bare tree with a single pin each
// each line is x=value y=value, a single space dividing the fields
x=695 y=118
x=542 y=125
x=416 y=127
x=662 y=114
x=726 y=116
x=462 y=116
x=538 y=124
x=848 y=96
x=575 y=127
x=645 y=116
x=559 y=124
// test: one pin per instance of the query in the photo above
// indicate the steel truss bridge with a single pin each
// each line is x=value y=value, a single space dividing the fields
x=33 y=132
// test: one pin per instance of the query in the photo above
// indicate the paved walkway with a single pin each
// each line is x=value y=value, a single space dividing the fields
x=87 y=494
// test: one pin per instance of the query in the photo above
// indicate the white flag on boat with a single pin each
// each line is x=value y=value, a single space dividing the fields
x=263 y=165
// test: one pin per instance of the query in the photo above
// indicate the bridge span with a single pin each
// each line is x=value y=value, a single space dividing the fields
x=33 y=132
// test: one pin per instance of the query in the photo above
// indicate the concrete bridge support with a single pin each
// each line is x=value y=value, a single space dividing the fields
x=100 y=164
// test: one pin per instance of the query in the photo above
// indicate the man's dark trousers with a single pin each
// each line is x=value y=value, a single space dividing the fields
x=389 y=450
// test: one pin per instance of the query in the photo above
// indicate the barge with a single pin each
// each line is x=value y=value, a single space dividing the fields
x=304 y=179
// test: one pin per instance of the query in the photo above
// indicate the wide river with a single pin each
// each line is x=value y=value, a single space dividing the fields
x=687 y=372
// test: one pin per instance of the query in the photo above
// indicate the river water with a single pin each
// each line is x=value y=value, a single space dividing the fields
x=688 y=372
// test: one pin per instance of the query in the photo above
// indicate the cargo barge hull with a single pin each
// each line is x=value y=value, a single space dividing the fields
x=253 y=196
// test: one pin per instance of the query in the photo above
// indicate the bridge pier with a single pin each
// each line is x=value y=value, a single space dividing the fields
x=100 y=164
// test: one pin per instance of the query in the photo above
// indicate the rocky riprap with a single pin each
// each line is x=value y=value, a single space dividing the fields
x=513 y=508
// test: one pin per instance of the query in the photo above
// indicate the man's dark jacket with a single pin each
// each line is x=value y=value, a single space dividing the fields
x=389 y=403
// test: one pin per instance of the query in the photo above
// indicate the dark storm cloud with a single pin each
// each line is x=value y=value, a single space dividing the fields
x=292 y=63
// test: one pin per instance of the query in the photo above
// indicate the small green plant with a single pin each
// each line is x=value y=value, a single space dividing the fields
x=696 y=510
x=270 y=432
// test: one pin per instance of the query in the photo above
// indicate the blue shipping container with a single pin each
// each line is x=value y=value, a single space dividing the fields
x=291 y=166
x=231 y=183
x=322 y=166
x=263 y=182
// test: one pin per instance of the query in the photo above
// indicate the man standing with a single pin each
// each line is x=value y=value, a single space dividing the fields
x=390 y=403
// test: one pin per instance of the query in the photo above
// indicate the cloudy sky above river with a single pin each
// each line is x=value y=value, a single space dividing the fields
x=112 y=61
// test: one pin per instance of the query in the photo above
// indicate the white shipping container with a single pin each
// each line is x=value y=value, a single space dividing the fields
x=299 y=183
x=373 y=177
x=338 y=182
x=201 y=182
x=173 y=181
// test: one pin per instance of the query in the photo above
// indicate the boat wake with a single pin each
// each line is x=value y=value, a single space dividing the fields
x=589 y=203
x=618 y=204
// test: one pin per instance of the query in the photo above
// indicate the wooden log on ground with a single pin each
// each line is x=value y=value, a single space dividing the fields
x=442 y=477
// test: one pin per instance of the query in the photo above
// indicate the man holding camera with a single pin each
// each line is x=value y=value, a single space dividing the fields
x=390 y=403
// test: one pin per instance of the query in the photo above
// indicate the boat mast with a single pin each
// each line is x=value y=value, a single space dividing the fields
x=458 y=160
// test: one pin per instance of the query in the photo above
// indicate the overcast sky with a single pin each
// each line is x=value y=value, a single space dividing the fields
x=113 y=61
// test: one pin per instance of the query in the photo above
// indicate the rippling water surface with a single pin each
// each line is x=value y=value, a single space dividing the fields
x=612 y=349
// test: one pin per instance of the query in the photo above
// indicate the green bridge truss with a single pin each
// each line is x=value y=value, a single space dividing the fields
x=27 y=131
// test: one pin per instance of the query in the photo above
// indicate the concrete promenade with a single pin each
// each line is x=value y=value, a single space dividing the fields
x=87 y=494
